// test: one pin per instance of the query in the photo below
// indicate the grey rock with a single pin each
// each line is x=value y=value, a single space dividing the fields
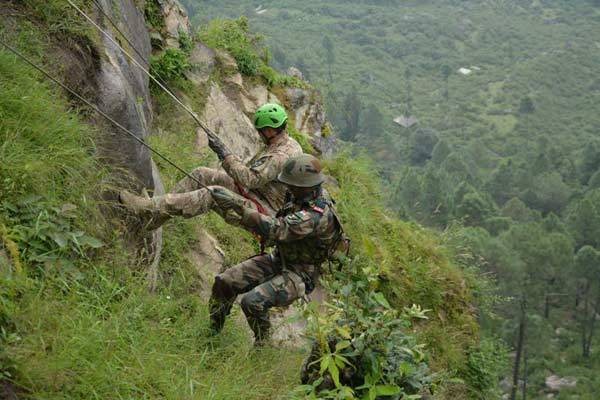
x=295 y=72
x=555 y=383
x=122 y=92
x=176 y=21
x=237 y=132
x=202 y=59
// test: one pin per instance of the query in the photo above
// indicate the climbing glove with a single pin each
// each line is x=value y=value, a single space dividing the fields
x=217 y=145
x=227 y=200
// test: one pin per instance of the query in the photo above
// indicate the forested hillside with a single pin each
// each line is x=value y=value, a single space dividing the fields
x=92 y=305
x=504 y=154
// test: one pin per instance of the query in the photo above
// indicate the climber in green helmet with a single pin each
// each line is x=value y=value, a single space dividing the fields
x=254 y=181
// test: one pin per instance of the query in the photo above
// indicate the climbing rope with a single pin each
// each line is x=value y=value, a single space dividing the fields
x=99 y=111
x=144 y=70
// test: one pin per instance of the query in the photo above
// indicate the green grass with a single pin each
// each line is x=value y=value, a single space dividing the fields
x=413 y=265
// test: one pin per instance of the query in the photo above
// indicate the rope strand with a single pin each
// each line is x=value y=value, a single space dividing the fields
x=155 y=80
x=99 y=111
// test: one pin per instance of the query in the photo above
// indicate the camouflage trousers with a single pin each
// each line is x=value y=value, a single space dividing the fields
x=191 y=199
x=264 y=284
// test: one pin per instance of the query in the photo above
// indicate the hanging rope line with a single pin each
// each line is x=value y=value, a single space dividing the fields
x=131 y=45
x=136 y=62
x=99 y=111
x=114 y=25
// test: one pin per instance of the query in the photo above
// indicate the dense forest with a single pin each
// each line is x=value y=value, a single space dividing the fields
x=482 y=118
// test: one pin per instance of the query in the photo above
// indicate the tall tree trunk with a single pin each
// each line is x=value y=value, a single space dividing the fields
x=590 y=336
x=525 y=367
x=547 y=306
x=584 y=323
x=520 y=342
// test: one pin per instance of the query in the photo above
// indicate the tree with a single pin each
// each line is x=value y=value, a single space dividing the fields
x=590 y=162
x=526 y=106
x=329 y=55
x=446 y=71
x=517 y=210
x=352 y=113
x=421 y=144
x=502 y=184
x=408 y=192
x=584 y=222
x=372 y=121
x=440 y=151
x=435 y=202
x=473 y=209
x=548 y=194
x=587 y=263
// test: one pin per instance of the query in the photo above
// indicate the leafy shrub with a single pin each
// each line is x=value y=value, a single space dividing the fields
x=485 y=366
x=302 y=139
x=186 y=44
x=362 y=349
x=44 y=234
x=170 y=65
x=274 y=78
x=153 y=15
x=234 y=37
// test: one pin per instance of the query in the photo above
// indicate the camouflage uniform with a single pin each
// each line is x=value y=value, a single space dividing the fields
x=257 y=179
x=303 y=233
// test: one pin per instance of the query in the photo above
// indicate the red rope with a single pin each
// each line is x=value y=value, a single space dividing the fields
x=259 y=208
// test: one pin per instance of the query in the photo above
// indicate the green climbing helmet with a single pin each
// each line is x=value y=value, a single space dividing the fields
x=302 y=171
x=271 y=115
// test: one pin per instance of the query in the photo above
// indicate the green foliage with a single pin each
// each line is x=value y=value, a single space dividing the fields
x=186 y=44
x=170 y=65
x=59 y=17
x=485 y=367
x=42 y=149
x=302 y=139
x=234 y=37
x=153 y=14
x=363 y=348
x=46 y=235
x=412 y=268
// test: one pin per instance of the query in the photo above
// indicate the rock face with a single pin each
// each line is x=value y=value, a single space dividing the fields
x=238 y=131
x=123 y=93
x=174 y=23
x=202 y=60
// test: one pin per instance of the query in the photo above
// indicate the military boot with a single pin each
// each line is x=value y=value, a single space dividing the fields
x=262 y=330
x=144 y=207
x=218 y=313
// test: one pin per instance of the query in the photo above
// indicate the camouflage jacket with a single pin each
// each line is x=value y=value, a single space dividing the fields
x=304 y=234
x=260 y=174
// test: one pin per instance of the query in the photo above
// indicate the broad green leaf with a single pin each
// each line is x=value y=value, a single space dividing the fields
x=335 y=374
x=387 y=390
x=325 y=360
x=380 y=298
x=343 y=332
x=344 y=344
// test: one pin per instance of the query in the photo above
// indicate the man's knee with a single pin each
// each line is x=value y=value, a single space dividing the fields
x=254 y=304
x=223 y=287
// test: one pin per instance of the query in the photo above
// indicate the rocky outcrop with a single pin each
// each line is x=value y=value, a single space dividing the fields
x=202 y=61
x=167 y=20
x=237 y=131
x=123 y=94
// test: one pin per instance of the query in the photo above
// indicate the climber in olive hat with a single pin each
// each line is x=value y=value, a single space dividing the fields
x=305 y=233
x=255 y=182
